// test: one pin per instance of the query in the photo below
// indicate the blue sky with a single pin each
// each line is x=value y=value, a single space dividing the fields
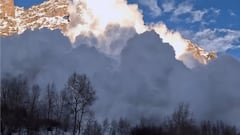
x=27 y=3
x=197 y=20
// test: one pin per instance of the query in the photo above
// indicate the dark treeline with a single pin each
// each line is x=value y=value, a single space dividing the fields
x=29 y=110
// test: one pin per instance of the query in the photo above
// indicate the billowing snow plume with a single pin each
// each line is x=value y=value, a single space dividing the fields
x=89 y=17
x=149 y=81
x=95 y=18
x=105 y=25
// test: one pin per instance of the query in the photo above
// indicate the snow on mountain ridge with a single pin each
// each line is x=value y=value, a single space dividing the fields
x=16 y=20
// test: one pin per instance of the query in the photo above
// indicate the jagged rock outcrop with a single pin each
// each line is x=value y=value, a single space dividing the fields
x=51 y=14
x=199 y=53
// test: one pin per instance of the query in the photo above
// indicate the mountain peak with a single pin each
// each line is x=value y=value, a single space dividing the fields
x=199 y=53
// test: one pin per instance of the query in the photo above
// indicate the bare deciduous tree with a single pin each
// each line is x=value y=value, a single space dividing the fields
x=50 y=101
x=33 y=106
x=182 y=121
x=81 y=95
x=14 y=98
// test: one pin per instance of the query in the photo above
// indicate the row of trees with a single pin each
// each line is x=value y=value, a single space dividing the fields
x=29 y=110
x=26 y=109
x=181 y=122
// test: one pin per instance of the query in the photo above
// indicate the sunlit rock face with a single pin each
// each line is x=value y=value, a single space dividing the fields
x=7 y=8
x=200 y=54
x=51 y=14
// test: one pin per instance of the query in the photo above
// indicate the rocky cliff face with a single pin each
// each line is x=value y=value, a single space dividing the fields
x=51 y=14
x=7 y=8
x=199 y=53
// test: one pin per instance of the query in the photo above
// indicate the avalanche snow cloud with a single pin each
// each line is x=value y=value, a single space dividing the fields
x=146 y=81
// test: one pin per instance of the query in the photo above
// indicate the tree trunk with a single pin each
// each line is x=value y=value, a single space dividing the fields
x=75 y=119
x=80 y=121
